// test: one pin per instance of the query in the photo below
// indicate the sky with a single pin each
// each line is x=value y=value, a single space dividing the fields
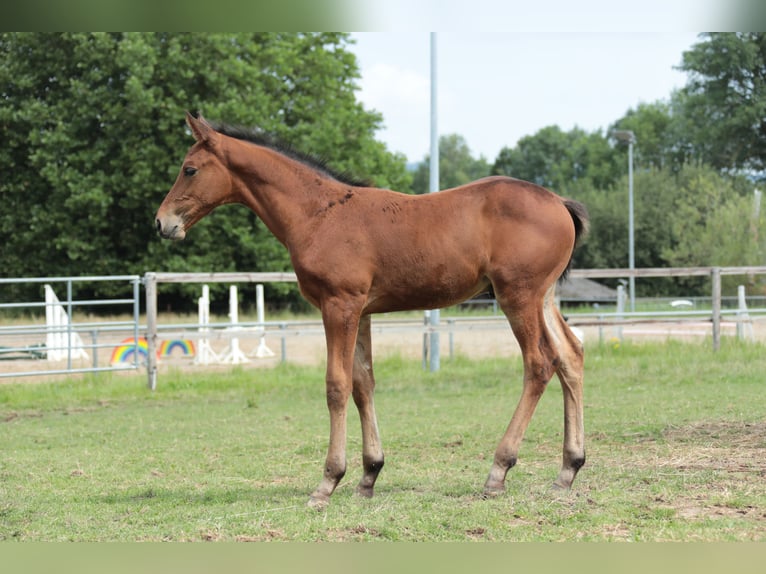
x=495 y=87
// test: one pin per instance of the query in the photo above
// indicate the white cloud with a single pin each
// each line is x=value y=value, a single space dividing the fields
x=495 y=88
x=386 y=86
x=544 y=15
x=402 y=95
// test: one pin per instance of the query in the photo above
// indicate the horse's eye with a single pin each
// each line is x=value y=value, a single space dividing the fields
x=190 y=171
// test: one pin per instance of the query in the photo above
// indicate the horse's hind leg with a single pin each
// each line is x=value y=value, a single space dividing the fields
x=364 y=388
x=570 y=373
x=540 y=362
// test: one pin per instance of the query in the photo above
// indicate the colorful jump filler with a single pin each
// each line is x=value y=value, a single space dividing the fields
x=125 y=352
x=167 y=347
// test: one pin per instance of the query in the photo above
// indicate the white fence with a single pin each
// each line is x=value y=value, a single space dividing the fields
x=715 y=315
x=72 y=346
x=65 y=344
x=712 y=317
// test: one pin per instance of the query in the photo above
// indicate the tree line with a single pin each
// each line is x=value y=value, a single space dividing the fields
x=93 y=136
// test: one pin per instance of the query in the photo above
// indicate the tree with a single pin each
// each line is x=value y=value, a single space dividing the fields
x=693 y=217
x=607 y=243
x=561 y=161
x=724 y=99
x=93 y=136
x=661 y=132
x=708 y=207
x=456 y=165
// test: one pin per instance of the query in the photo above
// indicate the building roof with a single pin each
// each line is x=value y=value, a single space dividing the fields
x=581 y=289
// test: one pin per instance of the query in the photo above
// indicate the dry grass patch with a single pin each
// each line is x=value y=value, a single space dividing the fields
x=732 y=455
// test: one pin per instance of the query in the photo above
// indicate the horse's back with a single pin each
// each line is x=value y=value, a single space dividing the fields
x=499 y=201
x=480 y=219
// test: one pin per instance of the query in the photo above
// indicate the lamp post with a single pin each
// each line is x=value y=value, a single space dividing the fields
x=433 y=316
x=630 y=138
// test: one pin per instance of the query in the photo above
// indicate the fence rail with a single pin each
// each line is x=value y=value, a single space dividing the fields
x=65 y=349
x=716 y=314
x=284 y=329
x=666 y=272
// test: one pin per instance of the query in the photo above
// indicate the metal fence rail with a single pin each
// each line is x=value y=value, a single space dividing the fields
x=64 y=349
x=22 y=338
x=716 y=314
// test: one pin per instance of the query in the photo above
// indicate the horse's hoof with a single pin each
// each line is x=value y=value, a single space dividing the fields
x=365 y=491
x=492 y=492
x=318 y=502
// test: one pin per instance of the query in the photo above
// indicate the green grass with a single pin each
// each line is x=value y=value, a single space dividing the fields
x=676 y=440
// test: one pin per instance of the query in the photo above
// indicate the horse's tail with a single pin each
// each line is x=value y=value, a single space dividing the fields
x=579 y=214
x=580 y=218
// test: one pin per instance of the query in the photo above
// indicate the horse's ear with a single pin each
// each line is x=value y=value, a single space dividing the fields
x=201 y=130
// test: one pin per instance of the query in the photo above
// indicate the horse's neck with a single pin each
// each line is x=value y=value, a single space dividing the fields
x=281 y=191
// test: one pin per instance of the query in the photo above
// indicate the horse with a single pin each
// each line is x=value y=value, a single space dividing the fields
x=358 y=250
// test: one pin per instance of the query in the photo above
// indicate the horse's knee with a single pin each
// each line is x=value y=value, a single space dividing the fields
x=363 y=387
x=337 y=396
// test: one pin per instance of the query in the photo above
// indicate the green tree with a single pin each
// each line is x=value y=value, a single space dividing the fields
x=93 y=135
x=693 y=217
x=456 y=165
x=724 y=100
x=561 y=161
x=607 y=243
x=661 y=134
x=713 y=221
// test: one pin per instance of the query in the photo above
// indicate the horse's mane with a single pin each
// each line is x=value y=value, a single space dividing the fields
x=258 y=137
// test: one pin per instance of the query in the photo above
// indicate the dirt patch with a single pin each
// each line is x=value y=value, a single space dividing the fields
x=357 y=533
x=731 y=447
x=725 y=464
x=720 y=433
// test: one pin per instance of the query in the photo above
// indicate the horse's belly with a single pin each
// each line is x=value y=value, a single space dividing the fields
x=424 y=289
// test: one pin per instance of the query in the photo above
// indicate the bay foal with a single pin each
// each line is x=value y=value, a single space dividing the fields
x=359 y=250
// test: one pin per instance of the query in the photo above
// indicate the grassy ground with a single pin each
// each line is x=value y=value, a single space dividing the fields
x=676 y=439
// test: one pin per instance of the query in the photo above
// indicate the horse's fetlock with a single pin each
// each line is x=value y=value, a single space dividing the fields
x=336 y=474
x=373 y=465
x=577 y=462
x=506 y=462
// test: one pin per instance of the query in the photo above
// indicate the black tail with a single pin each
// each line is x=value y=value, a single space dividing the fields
x=580 y=219
x=579 y=214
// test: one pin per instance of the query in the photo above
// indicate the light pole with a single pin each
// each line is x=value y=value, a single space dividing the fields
x=433 y=187
x=629 y=137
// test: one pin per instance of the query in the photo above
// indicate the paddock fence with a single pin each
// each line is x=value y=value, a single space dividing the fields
x=75 y=338
x=740 y=315
x=62 y=332
x=710 y=319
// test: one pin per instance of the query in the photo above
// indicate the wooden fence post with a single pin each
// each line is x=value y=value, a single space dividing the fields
x=150 y=286
x=716 y=277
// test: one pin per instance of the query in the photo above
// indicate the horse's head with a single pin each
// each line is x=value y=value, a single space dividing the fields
x=202 y=184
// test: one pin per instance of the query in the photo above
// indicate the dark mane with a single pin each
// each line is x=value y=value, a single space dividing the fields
x=260 y=138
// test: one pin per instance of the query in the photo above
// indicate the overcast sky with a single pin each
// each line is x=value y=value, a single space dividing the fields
x=497 y=87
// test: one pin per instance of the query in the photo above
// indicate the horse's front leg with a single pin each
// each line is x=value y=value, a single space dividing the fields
x=341 y=325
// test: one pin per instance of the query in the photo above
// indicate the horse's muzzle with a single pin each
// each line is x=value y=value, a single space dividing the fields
x=171 y=228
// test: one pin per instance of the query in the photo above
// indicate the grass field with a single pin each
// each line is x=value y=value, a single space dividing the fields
x=676 y=441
